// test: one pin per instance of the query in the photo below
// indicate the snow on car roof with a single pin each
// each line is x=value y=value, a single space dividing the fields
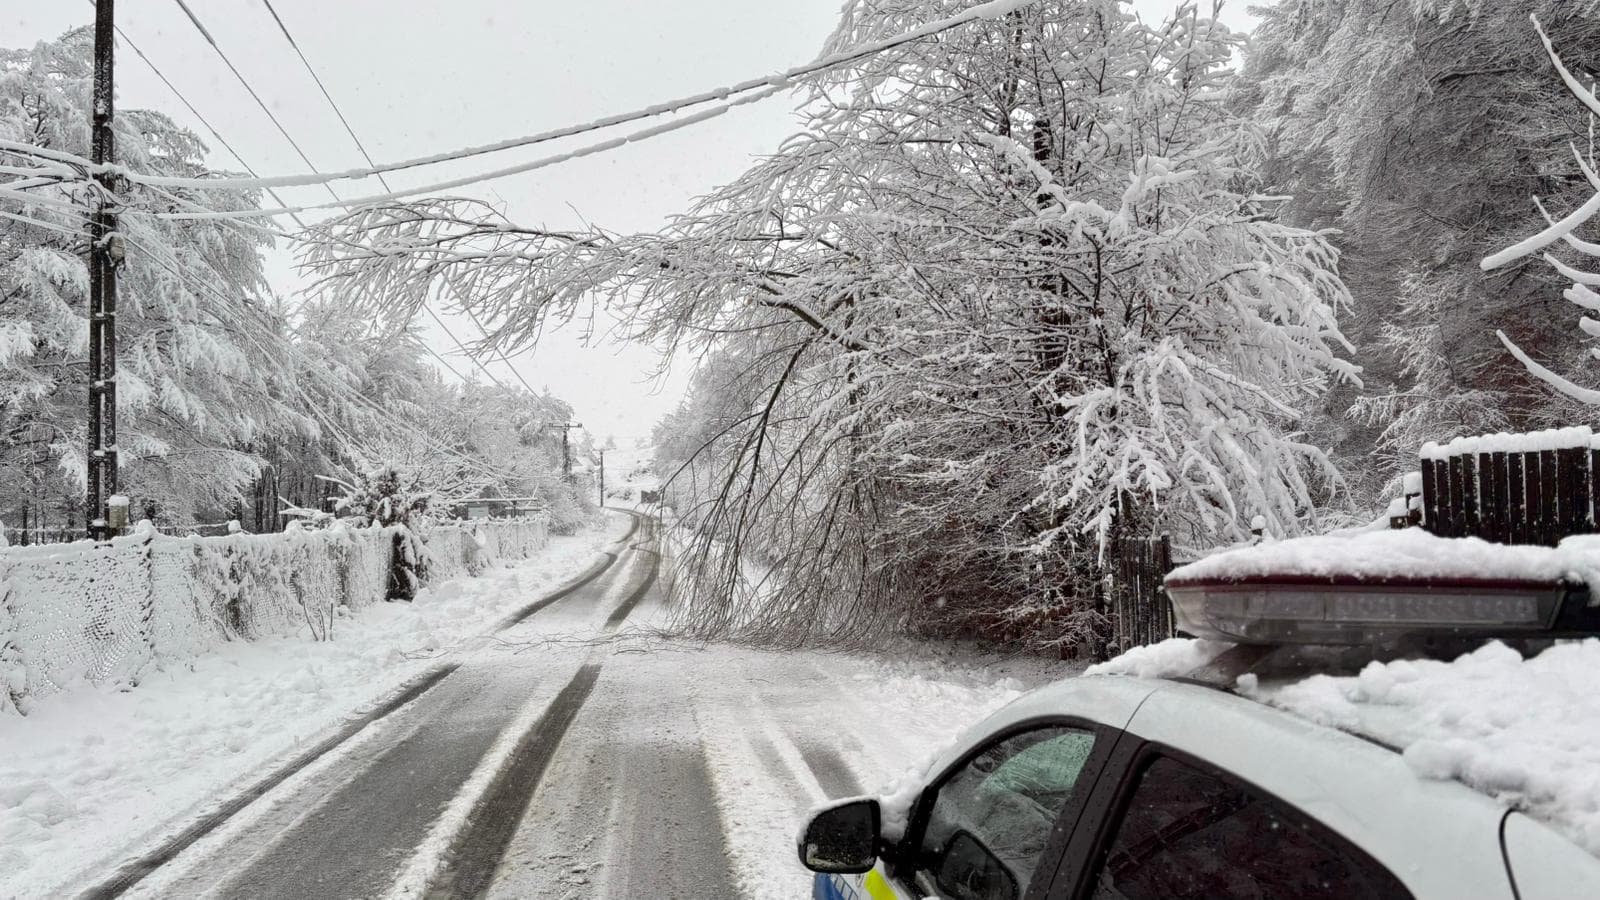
x=1405 y=554
x=1526 y=732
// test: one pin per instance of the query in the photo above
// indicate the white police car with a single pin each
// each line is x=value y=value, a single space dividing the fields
x=1124 y=787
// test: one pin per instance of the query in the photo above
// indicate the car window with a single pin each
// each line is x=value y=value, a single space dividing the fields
x=991 y=819
x=1191 y=832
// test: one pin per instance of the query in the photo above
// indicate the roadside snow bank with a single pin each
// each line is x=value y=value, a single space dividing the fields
x=961 y=697
x=94 y=772
x=1405 y=553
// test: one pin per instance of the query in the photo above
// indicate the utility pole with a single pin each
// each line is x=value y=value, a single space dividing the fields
x=566 y=446
x=602 y=477
x=105 y=252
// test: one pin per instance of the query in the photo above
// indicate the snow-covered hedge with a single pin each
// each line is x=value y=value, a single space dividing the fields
x=77 y=613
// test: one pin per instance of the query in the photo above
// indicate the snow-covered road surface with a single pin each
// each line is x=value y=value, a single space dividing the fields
x=577 y=753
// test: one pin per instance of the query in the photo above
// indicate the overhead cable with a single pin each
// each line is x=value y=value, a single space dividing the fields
x=590 y=150
x=784 y=79
x=324 y=88
x=222 y=141
x=195 y=20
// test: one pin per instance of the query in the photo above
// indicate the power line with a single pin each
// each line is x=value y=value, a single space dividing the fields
x=352 y=396
x=310 y=70
x=485 y=332
x=643 y=134
x=202 y=119
x=322 y=87
x=195 y=20
x=292 y=142
x=457 y=341
x=990 y=10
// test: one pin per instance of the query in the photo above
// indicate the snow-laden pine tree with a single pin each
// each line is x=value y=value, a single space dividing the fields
x=1010 y=295
x=204 y=384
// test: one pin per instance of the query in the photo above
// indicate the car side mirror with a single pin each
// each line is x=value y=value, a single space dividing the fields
x=842 y=839
x=970 y=871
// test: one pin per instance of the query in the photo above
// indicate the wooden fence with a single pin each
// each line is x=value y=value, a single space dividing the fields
x=1532 y=497
x=1140 y=611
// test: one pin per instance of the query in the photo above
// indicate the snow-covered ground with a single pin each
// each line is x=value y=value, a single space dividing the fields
x=90 y=773
x=690 y=764
x=1525 y=731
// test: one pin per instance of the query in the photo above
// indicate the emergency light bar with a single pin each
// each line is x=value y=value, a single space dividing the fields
x=1305 y=610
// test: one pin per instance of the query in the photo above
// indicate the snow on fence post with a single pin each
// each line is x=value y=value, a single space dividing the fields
x=1532 y=488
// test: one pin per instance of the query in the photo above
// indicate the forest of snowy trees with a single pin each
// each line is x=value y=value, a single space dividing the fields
x=1014 y=292
x=232 y=397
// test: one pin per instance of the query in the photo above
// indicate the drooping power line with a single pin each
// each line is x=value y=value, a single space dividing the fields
x=642 y=134
x=764 y=84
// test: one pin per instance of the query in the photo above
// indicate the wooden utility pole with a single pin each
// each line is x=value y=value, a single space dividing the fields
x=105 y=252
x=602 y=477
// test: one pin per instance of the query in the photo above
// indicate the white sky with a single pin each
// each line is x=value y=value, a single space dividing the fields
x=422 y=76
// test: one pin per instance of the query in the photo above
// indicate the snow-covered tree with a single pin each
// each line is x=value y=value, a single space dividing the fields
x=1010 y=295
x=201 y=370
x=1418 y=128
x=1560 y=238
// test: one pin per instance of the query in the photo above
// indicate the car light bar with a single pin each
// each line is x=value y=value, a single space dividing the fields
x=1306 y=611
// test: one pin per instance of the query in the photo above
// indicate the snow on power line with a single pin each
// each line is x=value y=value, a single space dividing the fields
x=990 y=10
x=642 y=134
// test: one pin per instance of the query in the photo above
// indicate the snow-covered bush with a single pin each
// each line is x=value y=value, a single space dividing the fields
x=383 y=497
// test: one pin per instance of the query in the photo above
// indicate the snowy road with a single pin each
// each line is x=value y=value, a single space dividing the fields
x=578 y=754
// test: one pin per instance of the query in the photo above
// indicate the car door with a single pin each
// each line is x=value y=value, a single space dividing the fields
x=992 y=826
x=1179 y=827
x=1340 y=804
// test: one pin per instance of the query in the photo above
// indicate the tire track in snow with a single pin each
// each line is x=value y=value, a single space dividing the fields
x=136 y=870
x=469 y=866
x=560 y=593
x=476 y=851
x=131 y=873
x=830 y=770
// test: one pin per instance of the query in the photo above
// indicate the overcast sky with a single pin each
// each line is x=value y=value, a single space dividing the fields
x=423 y=76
